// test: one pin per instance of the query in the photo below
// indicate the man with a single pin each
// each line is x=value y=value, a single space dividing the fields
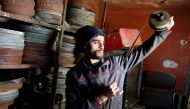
x=97 y=82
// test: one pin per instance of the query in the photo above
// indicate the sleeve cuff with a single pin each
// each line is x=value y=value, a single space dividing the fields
x=168 y=30
x=97 y=102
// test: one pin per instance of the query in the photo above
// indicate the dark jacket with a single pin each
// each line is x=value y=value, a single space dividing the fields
x=85 y=82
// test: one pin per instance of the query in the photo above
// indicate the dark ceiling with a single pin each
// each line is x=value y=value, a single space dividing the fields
x=149 y=3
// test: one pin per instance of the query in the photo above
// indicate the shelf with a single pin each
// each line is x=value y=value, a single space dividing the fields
x=27 y=20
x=22 y=66
x=67 y=66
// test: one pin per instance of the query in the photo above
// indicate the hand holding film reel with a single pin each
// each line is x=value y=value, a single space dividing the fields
x=161 y=20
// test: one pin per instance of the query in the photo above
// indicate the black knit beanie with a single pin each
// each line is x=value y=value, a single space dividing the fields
x=85 y=34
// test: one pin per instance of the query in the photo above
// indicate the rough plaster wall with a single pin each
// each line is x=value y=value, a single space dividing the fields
x=171 y=56
x=174 y=54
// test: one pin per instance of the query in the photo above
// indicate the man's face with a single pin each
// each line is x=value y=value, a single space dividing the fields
x=96 y=47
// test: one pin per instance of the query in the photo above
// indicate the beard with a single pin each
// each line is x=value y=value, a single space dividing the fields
x=97 y=54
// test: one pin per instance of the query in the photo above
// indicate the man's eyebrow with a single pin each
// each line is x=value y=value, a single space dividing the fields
x=95 y=40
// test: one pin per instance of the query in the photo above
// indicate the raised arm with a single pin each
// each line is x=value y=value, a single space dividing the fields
x=140 y=53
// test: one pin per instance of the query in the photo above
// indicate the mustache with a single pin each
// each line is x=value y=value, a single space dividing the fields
x=99 y=50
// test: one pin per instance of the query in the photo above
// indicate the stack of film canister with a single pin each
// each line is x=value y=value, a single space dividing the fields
x=50 y=11
x=11 y=47
x=37 y=50
x=47 y=85
x=81 y=12
x=9 y=90
x=19 y=7
x=11 y=51
x=67 y=56
x=60 y=89
x=67 y=60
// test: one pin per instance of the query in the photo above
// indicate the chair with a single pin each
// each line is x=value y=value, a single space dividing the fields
x=158 y=90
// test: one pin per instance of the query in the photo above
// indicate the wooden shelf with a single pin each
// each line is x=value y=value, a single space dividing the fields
x=67 y=66
x=22 y=66
x=9 y=16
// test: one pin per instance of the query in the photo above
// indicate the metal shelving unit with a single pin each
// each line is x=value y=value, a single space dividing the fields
x=22 y=66
x=5 y=16
x=9 y=16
